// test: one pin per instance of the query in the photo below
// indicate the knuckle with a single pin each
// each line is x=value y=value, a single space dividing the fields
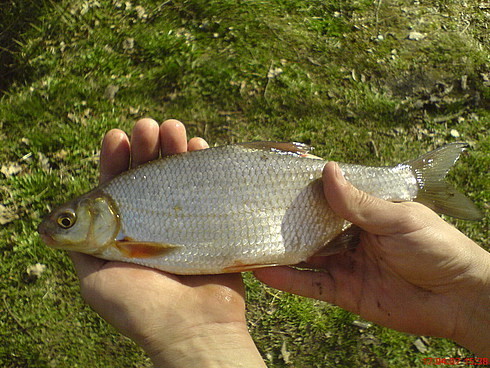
x=362 y=204
x=411 y=216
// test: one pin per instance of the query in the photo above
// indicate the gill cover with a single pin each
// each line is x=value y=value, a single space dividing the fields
x=87 y=224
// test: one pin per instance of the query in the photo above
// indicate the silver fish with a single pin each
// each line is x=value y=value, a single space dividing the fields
x=237 y=207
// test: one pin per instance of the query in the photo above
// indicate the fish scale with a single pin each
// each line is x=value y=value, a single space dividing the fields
x=237 y=207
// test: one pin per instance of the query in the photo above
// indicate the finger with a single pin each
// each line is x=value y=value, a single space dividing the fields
x=145 y=144
x=196 y=144
x=173 y=137
x=370 y=213
x=311 y=284
x=114 y=155
x=85 y=264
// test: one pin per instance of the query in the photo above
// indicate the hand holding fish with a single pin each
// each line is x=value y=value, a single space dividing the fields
x=246 y=206
x=179 y=320
x=412 y=271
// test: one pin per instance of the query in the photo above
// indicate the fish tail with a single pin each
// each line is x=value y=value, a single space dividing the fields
x=430 y=171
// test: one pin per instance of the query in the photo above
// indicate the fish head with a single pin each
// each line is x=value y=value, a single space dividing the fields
x=87 y=224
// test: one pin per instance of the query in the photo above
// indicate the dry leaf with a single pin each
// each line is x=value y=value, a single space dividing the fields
x=285 y=354
x=6 y=215
x=43 y=161
x=134 y=110
x=36 y=270
x=13 y=168
x=420 y=345
x=128 y=44
x=416 y=36
x=274 y=72
x=362 y=325
x=141 y=12
x=110 y=92
x=454 y=133
x=60 y=155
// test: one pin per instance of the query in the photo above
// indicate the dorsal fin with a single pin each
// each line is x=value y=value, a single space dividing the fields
x=295 y=148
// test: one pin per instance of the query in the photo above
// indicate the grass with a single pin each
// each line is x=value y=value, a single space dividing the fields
x=339 y=75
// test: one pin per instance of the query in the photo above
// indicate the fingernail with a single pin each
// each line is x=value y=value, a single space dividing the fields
x=339 y=174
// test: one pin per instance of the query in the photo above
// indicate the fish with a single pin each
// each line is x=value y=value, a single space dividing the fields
x=238 y=207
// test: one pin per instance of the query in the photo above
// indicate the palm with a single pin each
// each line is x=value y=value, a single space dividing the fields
x=376 y=285
x=137 y=299
x=397 y=279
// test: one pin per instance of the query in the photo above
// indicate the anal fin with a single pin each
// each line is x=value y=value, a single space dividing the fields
x=347 y=239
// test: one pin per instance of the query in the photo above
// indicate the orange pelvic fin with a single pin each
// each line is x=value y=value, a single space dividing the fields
x=136 y=249
x=242 y=267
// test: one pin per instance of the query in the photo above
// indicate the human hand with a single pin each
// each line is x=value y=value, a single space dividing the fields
x=412 y=271
x=178 y=320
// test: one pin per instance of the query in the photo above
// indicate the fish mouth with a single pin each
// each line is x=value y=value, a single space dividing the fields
x=45 y=236
x=48 y=239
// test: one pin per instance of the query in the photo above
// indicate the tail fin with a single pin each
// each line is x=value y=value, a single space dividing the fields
x=430 y=170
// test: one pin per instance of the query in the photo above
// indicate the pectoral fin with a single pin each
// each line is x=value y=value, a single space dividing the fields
x=137 y=249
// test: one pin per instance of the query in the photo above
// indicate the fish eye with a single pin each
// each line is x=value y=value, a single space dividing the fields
x=67 y=219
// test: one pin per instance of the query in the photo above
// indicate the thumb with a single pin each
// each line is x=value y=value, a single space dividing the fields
x=372 y=214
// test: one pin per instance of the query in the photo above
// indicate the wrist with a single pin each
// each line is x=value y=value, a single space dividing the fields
x=208 y=346
x=472 y=330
